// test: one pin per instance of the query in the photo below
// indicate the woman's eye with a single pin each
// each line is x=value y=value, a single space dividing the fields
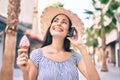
x=55 y=21
x=64 y=22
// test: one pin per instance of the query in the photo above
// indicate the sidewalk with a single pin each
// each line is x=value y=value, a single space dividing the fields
x=112 y=74
x=17 y=74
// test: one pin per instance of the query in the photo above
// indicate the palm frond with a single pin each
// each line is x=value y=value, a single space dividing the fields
x=98 y=9
x=109 y=13
x=88 y=12
x=104 y=1
x=114 y=5
x=58 y=4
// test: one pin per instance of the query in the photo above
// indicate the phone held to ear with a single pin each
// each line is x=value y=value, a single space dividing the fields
x=71 y=32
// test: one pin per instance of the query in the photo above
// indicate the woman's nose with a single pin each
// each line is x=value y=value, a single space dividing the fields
x=58 y=23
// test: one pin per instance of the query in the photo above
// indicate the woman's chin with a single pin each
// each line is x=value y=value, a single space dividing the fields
x=58 y=35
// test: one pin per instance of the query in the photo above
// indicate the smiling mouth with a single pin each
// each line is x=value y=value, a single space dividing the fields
x=58 y=29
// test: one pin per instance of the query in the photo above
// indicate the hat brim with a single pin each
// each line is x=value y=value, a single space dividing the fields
x=50 y=11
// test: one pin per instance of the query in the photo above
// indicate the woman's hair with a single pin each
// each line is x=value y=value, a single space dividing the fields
x=48 y=37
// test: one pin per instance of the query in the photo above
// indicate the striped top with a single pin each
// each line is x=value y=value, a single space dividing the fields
x=54 y=70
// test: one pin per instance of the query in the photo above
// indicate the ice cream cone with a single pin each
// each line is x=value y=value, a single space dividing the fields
x=24 y=43
x=25 y=47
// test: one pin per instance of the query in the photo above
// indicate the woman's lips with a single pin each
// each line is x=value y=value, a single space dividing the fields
x=58 y=29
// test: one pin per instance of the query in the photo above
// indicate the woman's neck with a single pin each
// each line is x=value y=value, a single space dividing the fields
x=58 y=44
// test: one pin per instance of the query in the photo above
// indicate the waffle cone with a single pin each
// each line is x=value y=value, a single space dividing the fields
x=25 y=47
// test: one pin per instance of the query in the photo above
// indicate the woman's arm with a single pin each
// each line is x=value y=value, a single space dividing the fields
x=30 y=74
x=26 y=65
x=82 y=68
x=86 y=66
x=33 y=71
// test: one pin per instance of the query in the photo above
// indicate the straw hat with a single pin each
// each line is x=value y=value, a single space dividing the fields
x=50 y=11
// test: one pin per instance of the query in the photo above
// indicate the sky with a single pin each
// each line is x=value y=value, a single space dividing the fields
x=77 y=6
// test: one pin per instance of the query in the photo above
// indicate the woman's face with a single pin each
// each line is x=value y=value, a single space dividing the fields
x=60 y=26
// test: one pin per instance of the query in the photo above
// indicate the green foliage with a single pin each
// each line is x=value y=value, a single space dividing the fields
x=97 y=31
x=102 y=20
x=109 y=13
x=58 y=4
x=93 y=2
x=114 y=19
x=89 y=12
x=114 y=5
x=88 y=43
x=107 y=29
x=112 y=25
x=104 y=1
x=91 y=32
x=91 y=39
x=98 y=9
x=95 y=43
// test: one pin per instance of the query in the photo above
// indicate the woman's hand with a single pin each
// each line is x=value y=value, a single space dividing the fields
x=76 y=40
x=22 y=60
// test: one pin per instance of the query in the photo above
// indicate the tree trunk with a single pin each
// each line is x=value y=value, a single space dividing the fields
x=94 y=55
x=10 y=40
x=104 y=65
x=8 y=57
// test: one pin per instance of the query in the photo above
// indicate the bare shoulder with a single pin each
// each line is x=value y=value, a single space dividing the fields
x=46 y=49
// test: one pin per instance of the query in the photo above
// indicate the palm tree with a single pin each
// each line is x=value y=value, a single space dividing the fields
x=91 y=39
x=106 y=10
x=58 y=4
x=6 y=72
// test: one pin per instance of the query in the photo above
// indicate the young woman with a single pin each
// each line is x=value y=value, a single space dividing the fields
x=55 y=60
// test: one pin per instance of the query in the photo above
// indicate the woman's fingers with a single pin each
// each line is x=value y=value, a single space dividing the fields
x=80 y=29
x=20 y=51
x=22 y=62
x=22 y=59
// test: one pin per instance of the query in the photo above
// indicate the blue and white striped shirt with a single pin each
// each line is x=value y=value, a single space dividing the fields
x=55 y=70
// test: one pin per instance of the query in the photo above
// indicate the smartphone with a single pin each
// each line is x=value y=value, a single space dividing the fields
x=71 y=31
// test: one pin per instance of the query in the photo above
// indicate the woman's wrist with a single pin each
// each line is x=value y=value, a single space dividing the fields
x=26 y=75
x=82 y=48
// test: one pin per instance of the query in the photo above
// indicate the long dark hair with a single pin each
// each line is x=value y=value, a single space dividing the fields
x=48 y=37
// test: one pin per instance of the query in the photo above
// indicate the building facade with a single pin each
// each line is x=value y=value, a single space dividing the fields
x=2 y=36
